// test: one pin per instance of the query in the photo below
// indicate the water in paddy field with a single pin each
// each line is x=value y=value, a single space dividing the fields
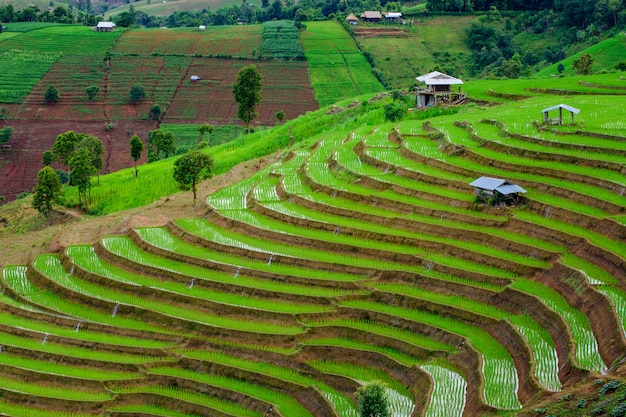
x=448 y=396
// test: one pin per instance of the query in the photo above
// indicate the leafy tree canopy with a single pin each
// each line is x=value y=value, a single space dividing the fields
x=191 y=167
x=137 y=92
x=247 y=92
x=372 y=400
x=47 y=191
x=136 y=147
x=160 y=144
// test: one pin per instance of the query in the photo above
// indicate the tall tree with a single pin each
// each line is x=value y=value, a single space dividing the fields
x=47 y=191
x=247 y=91
x=136 y=146
x=82 y=170
x=372 y=400
x=191 y=167
x=160 y=143
x=64 y=147
x=95 y=148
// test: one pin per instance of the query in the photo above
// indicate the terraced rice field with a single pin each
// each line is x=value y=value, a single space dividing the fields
x=364 y=257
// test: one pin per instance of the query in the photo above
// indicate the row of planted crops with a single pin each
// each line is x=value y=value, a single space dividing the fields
x=364 y=257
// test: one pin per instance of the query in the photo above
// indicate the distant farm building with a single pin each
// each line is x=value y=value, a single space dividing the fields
x=439 y=90
x=371 y=16
x=202 y=28
x=559 y=120
x=194 y=78
x=352 y=19
x=105 y=27
x=496 y=190
x=393 y=17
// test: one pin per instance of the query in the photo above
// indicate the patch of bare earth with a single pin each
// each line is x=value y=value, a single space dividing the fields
x=19 y=245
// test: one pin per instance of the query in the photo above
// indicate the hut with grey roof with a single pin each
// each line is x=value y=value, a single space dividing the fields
x=496 y=190
x=559 y=120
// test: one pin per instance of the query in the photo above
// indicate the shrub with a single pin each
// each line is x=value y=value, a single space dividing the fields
x=609 y=387
x=22 y=195
x=582 y=403
x=597 y=411
x=136 y=93
x=621 y=66
x=92 y=91
x=393 y=112
x=155 y=111
x=52 y=95
x=620 y=411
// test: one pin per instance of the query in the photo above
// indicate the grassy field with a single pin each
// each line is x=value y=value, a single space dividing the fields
x=337 y=68
x=606 y=54
x=166 y=8
x=409 y=51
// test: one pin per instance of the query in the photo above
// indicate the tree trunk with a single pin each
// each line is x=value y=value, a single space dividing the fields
x=193 y=187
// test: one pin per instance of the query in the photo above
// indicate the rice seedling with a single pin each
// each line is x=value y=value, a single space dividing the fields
x=399 y=399
x=152 y=410
x=285 y=404
x=395 y=354
x=87 y=256
x=50 y=391
x=597 y=239
x=178 y=394
x=543 y=350
x=587 y=354
x=157 y=305
x=344 y=407
x=595 y=274
x=50 y=266
x=160 y=238
x=265 y=368
x=618 y=300
x=294 y=210
x=76 y=351
x=66 y=370
x=499 y=371
x=449 y=390
x=21 y=410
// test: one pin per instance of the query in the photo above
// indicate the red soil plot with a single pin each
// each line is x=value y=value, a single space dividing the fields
x=20 y=164
x=286 y=87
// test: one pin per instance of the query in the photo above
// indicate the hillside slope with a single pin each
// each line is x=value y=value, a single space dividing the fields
x=358 y=253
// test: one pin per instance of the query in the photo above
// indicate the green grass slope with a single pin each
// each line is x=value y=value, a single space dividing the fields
x=606 y=54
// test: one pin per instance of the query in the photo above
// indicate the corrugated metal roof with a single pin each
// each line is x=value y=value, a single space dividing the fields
x=106 y=24
x=487 y=183
x=496 y=184
x=393 y=15
x=507 y=189
x=562 y=106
